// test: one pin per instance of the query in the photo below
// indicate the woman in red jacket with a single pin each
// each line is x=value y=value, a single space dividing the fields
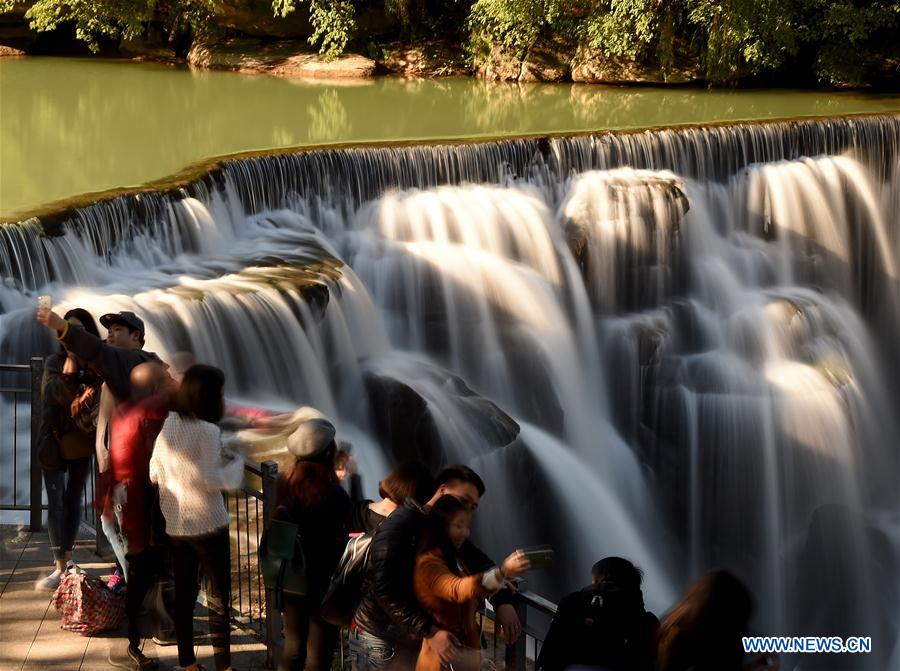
x=447 y=589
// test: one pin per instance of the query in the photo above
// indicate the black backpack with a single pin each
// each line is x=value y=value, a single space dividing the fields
x=345 y=590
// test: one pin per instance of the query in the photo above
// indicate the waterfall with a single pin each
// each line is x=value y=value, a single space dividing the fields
x=676 y=346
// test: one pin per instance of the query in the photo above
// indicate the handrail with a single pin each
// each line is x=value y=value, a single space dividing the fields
x=516 y=656
x=34 y=506
x=247 y=529
x=539 y=602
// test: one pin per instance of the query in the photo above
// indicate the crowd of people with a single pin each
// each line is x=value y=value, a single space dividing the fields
x=155 y=433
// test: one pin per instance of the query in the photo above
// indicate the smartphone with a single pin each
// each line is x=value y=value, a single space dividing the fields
x=540 y=556
x=44 y=302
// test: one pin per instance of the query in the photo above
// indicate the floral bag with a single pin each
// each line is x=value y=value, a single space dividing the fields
x=85 y=604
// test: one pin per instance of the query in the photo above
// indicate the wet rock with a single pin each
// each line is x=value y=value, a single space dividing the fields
x=623 y=229
x=404 y=424
x=283 y=59
x=10 y=52
x=593 y=66
x=544 y=64
x=142 y=49
x=255 y=18
x=499 y=66
x=433 y=58
x=313 y=66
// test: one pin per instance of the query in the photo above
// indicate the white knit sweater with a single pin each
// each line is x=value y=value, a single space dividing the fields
x=187 y=465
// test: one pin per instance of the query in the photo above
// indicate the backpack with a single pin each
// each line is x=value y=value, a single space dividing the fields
x=86 y=605
x=281 y=561
x=345 y=590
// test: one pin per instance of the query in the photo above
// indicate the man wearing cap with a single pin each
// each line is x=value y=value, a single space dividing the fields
x=112 y=361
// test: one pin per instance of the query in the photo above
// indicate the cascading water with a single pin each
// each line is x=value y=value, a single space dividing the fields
x=675 y=346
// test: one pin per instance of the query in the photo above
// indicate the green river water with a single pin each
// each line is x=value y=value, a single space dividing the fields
x=72 y=126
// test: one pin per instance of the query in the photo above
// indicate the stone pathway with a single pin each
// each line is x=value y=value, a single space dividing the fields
x=30 y=637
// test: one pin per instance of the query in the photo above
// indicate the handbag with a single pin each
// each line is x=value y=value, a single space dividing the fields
x=76 y=445
x=86 y=606
x=281 y=561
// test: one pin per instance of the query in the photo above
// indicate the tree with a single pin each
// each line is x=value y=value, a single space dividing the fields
x=97 y=19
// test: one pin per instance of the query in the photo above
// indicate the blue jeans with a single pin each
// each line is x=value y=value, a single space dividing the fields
x=368 y=652
x=65 y=490
x=109 y=522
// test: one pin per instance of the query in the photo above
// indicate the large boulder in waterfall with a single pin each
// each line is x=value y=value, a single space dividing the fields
x=409 y=425
x=284 y=59
x=623 y=228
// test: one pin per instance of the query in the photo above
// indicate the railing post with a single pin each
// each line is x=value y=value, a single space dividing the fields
x=36 y=504
x=269 y=470
x=515 y=654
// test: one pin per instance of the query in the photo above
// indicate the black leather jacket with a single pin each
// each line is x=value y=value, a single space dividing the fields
x=389 y=608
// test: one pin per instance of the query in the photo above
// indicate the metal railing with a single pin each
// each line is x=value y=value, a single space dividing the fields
x=20 y=392
x=249 y=508
x=535 y=613
x=12 y=395
x=16 y=395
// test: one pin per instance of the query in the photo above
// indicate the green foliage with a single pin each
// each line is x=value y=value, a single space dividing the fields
x=622 y=28
x=98 y=19
x=514 y=24
x=743 y=36
x=93 y=19
x=840 y=29
x=333 y=22
x=732 y=38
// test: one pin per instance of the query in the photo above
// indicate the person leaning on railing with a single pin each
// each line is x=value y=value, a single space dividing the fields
x=390 y=624
x=448 y=590
x=603 y=625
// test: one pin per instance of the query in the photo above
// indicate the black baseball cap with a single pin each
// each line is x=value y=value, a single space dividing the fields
x=126 y=318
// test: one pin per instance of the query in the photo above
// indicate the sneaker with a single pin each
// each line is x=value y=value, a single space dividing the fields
x=134 y=660
x=51 y=582
x=164 y=641
x=198 y=638
x=116 y=582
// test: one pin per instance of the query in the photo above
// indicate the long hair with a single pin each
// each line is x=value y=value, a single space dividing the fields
x=309 y=482
x=86 y=319
x=436 y=533
x=200 y=394
x=704 y=629
x=411 y=479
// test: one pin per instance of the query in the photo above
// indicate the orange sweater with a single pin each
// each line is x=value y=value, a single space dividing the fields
x=452 y=601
